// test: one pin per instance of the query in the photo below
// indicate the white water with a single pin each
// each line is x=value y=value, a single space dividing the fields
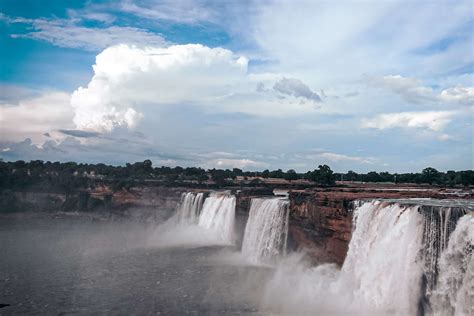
x=454 y=294
x=384 y=267
x=198 y=224
x=381 y=267
x=266 y=231
x=218 y=216
x=189 y=207
x=440 y=222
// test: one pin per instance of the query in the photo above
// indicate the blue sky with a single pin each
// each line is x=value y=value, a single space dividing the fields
x=359 y=85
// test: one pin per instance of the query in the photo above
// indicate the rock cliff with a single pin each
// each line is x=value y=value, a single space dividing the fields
x=320 y=218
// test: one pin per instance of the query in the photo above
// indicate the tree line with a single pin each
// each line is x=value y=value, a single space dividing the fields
x=69 y=176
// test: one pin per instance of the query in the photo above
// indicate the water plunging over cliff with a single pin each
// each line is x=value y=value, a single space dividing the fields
x=454 y=293
x=218 y=215
x=394 y=253
x=381 y=266
x=198 y=222
x=405 y=257
x=266 y=230
x=189 y=207
x=439 y=223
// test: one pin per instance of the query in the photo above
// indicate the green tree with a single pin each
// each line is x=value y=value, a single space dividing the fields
x=351 y=176
x=430 y=175
x=291 y=175
x=323 y=175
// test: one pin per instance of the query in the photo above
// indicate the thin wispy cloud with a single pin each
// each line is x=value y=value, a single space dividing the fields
x=182 y=11
x=66 y=33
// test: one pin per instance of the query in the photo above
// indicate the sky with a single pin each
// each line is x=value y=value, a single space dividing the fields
x=358 y=85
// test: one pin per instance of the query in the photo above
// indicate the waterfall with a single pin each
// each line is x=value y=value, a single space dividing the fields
x=198 y=222
x=189 y=208
x=218 y=215
x=454 y=293
x=405 y=257
x=398 y=250
x=266 y=230
x=381 y=269
x=439 y=224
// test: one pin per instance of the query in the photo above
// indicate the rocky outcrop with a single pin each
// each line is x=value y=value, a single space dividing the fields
x=320 y=226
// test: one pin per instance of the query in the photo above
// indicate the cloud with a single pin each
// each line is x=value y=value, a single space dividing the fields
x=351 y=94
x=79 y=133
x=127 y=75
x=10 y=93
x=99 y=16
x=227 y=160
x=183 y=11
x=459 y=94
x=130 y=81
x=340 y=41
x=296 y=88
x=66 y=33
x=191 y=97
x=226 y=163
x=32 y=117
x=431 y=120
x=339 y=157
x=412 y=90
x=118 y=147
x=331 y=157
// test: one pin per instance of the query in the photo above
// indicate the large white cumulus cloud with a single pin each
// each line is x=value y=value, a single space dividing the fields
x=125 y=76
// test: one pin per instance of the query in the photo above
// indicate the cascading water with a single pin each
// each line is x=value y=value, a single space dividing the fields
x=218 y=215
x=189 y=208
x=394 y=253
x=405 y=257
x=439 y=223
x=381 y=266
x=198 y=222
x=266 y=230
x=454 y=293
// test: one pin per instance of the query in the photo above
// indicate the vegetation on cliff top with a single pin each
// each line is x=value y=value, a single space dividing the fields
x=70 y=176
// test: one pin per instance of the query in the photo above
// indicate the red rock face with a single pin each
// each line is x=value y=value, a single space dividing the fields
x=321 y=219
x=320 y=226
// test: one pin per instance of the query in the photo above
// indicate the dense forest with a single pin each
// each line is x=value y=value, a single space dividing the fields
x=70 y=176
